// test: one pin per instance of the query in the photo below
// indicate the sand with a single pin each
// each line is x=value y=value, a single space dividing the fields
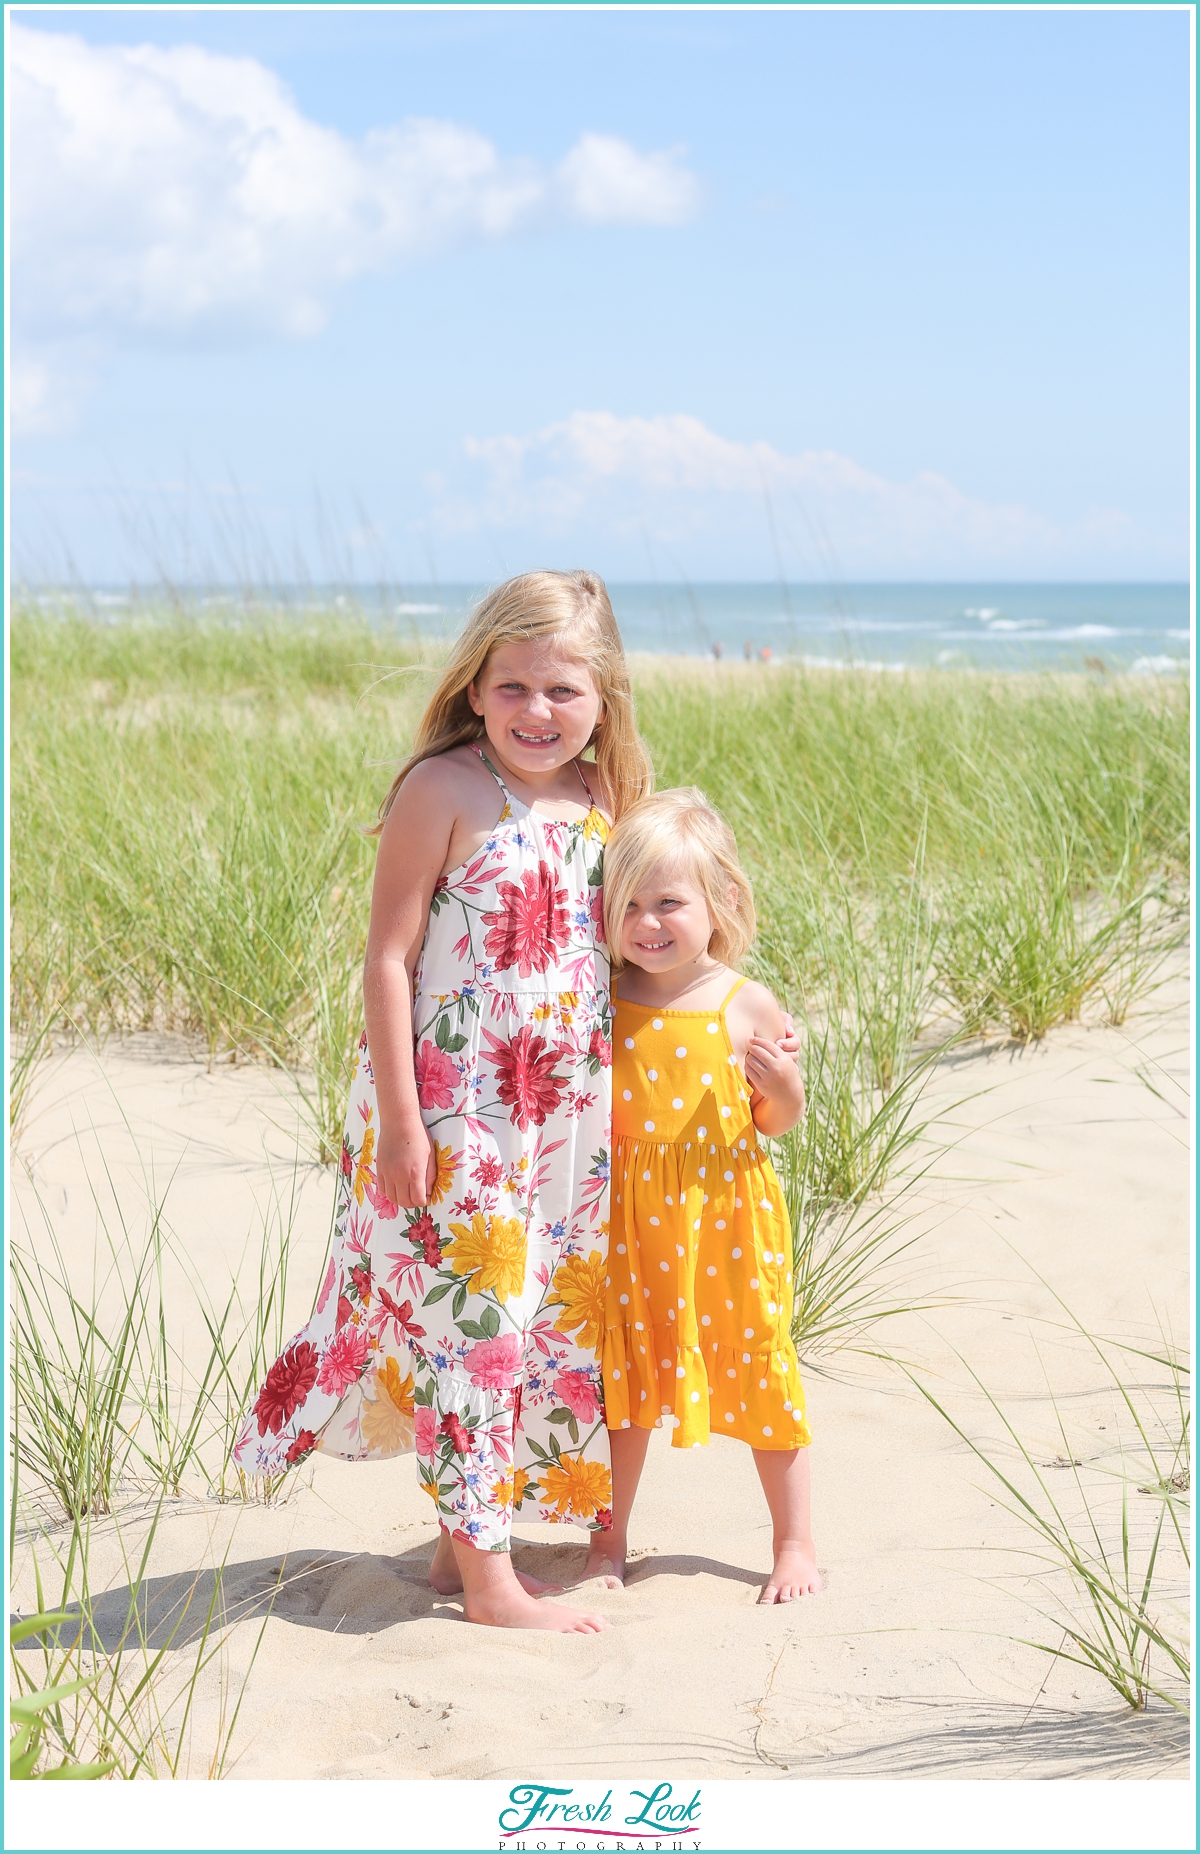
x=1064 y=1156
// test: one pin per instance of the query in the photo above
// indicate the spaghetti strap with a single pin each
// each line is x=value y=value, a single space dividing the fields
x=732 y=992
x=476 y=748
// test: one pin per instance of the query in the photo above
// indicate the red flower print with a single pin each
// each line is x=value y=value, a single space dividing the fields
x=344 y=1359
x=576 y=1390
x=525 y=1079
x=489 y=1172
x=361 y=1277
x=460 y=1439
x=493 y=1363
x=304 y=1445
x=288 y=1383
x=604 y=1518
x=402 y=1315
x=424 y=1234
x=347 y=1161
x=425 y=1427
x=530 y=925
x=466 y=1206
x=596 y=910
x=343 y=1312
x=435 y=1075
x=600 y=1047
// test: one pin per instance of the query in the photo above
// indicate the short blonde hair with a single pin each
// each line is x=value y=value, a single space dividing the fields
x=681 y=830
x=574 y=607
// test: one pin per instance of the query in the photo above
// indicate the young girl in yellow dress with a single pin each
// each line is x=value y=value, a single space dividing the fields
x=699 y=1293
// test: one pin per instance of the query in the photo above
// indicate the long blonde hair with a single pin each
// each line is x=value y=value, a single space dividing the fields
x=572 y=605
x=681 y=830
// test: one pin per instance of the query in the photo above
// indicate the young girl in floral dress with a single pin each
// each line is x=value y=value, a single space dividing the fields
x=463 y=1308
x=699 y=1301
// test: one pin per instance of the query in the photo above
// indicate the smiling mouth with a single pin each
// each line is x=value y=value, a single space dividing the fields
x=652 y=946
x=535 y=740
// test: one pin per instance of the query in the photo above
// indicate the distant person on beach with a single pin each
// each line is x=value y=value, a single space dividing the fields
x=463 y=1310
x=748 y=649
x=699 y=1298
x=718 y=650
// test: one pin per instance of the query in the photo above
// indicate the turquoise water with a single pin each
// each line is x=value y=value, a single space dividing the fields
x=976 y=624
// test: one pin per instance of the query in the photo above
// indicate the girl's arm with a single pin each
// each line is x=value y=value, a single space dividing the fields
x=413 y=850
x=777 y=1088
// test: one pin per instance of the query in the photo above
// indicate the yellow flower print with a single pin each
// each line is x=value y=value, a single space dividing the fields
x=494 y=1251
x=363 y=1173
x=447 y=1164
x=515 y=1174
x=509 y=1490
x=430 y=1487
x=579 y=1289
x=542 y=1011
x=387 y=1418
x=578 y=1487
x=595 y=826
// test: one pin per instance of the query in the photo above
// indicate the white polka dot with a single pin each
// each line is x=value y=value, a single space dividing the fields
x=742 y=1145
x=657 y=1023
x=766 y=1429
x=624 y=1422
x=624 y=1300
x=737 y=1202
x=629 y=1042
x=753 y=1281
x=649 y=1126
x=665 y=1266
x=633 y=1277
x=666 y=1409
x=681 y=1051
x=789 y=1277
x=720 y=1223
x=696 y=1224
x=621 y=1249
x=762 y=1384
x=695 y=1399
x=643 y=1396
x=765 y=1204
x=737 y=1254
x=701 y=1171
x=646 y=1292
x=729 y=1413
x=703 y=1132
x=742 y=1406
x=666 y=1367
x=729 y=1306
x=725 y=1112
x=654 y=1223
x=682 y=1302
x=770 y=1306
x=781 y=1259
x=713 y=1028
x=731 y=1374
x=710 y=1270
x=733 y=1059
x=645 y=1178
x=639 y=1328
x=706 y=1200
x=651 y=1074
x=787 y=1406
x=607 y=1281
x=626 y=1095
x=707 y=1080
x=679 y=1249
x=678 y=1370
x=677 y=1103
x=749 y=1333
x=670 y=1200
x=728 y=1177
x=704 y=1320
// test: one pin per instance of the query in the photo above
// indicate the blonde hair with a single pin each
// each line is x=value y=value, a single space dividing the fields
x=575 y=607
x=681 y=830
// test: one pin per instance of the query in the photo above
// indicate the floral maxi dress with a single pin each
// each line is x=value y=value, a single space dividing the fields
x=471 y=1329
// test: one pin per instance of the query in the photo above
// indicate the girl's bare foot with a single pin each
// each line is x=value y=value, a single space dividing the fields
x=507 y=1606
x=606 y=1559
x=795 y=1573
x=446 y=1579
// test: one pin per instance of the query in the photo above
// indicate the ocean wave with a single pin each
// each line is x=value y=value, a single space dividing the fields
x=985 y=613
x=414 y=610
x=1014 y=624
x=1158 y=666
x=1186 y=635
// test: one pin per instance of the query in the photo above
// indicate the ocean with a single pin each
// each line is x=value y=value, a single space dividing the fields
x=1108 y=627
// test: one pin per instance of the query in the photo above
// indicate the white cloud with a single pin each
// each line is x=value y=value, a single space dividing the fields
x=170 y=192
x=709 y=498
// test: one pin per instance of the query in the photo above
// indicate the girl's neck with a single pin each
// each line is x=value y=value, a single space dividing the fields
x=690 y=981
x=561 y=781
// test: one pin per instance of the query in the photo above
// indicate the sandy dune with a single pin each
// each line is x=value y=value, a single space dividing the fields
x=1064 y=1155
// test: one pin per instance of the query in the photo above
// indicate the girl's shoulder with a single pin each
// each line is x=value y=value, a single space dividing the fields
x=757 y=1008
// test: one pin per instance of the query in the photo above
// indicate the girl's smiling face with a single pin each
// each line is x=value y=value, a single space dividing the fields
x=667 y=922
x=538 y=703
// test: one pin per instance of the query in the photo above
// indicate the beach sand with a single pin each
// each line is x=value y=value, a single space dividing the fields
x=1063 y=1157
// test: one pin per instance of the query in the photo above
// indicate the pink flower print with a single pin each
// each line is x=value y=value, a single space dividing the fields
x=436 y=1076
x=425 y=1428
x=596 y=910
x=460 y=1438
x=327 y=1286
x=576 y=1390
x=493 y=1363
x=343 y=1361
x=531 y=923
x=600 y=1047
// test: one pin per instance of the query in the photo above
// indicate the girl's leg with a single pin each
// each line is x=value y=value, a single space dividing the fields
x=785 y=1481
x=445 y=1579
x=606 y=1557
x=492 y=1595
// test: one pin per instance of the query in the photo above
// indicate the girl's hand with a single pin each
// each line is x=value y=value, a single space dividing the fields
x=405 y=1165
x=778 y=1099
x=789 y=1042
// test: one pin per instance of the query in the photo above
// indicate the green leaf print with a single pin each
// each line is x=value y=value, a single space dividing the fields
x=440 y=1292
x=489 y=1319
x=458 y=1303
x=559 y=1416
x=535 y=1448
x=472 y=1329
x=573 y=1430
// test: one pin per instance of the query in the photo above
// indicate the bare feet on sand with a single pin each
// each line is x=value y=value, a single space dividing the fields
x=446 y=1579
x=795 y=1573
x=606 y=1560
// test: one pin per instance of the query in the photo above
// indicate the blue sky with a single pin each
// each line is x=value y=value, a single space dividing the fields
x=465 y=292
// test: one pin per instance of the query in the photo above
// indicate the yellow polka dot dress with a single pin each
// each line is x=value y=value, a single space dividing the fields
x=699 y=1295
